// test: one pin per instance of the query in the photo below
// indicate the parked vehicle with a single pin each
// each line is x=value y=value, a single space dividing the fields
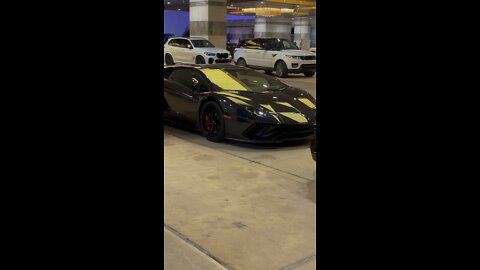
x=193 y=50
x=274 y=54
x=226 y=101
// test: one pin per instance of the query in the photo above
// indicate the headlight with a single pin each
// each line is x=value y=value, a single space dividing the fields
x=293 y=56
x=209 y=54
x=260 y=111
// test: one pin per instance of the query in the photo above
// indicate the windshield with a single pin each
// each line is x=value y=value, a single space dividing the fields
x=288 y=45
x=202 y=44
x=242 y=80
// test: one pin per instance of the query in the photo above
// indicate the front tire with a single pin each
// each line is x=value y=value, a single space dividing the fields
x=241 y=62
x=212 y=122
x=281 y=69
x=169 y=59
x=199 y=60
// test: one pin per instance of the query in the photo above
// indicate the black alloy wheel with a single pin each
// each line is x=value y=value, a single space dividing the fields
x=212 y=122
x=199 y=60
x=241 y=62
x=169 y=60
x=281 y=69
x=309 y=74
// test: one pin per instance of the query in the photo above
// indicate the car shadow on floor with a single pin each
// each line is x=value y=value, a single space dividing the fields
x=170 y=122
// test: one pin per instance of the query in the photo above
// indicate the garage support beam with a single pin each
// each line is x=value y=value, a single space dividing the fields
x=208 y=19
x=302 y=32
x=273 y=27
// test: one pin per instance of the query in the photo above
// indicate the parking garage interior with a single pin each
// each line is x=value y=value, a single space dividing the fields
x=240 y=205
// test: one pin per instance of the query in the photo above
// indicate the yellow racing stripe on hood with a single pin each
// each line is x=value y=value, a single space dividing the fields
x=307 y=102
x=223 y=79
x=300 y=118
x=285 y=104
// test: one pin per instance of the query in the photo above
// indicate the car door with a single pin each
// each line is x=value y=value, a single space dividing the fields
x=183 y=51
x=172 y=49
x=179 y=92
x=252 y=52
x=268 y=53
x=189 y=51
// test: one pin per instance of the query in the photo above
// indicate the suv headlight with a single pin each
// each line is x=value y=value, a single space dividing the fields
x=294 y=56
x=209 y=53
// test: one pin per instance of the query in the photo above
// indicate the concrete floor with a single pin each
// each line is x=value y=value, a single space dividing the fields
x=240 y=206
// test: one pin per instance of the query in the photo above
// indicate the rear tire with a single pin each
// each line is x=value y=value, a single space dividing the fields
x=212 y=122
x=199 y=60
x=309 y=74
x=241 y=62
x=169 y=60
x=281 y=69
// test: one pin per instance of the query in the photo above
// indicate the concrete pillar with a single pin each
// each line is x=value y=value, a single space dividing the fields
x=241 y=29
x=301 y=32
x=273 y=27
x=208 y=19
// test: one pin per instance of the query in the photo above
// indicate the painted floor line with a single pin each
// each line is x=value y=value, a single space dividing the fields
x=197 y=246
x=300 y=262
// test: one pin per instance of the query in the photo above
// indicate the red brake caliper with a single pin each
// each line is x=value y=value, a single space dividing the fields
x=206 y=122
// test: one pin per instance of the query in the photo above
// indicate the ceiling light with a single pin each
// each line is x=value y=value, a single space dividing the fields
x=168 y=3
x=179 y=9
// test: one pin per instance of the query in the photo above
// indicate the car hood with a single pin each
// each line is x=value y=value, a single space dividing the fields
x=289 y=106
x=213 y=50
x=299 y=53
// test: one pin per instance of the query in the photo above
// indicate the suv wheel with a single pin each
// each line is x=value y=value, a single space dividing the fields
x=281 y=69
x=199 y=60
x=241 y=62
x=309 y=74
x=169 y=59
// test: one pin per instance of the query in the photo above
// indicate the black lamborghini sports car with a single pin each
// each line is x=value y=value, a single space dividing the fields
x=226 y=101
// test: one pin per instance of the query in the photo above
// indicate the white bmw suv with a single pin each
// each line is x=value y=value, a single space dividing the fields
x=193 y=51
x=275 y=54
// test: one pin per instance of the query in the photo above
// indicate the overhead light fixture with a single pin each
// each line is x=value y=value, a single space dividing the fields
x=266 y=11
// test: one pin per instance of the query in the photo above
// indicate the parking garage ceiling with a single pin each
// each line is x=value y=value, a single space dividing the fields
x=254 y=7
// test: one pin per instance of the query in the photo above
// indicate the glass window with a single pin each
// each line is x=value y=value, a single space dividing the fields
x=202 y=44
x=288 y=45
x=187 y=77
x=251 y=44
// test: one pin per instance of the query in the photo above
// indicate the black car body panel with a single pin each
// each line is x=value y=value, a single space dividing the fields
x=268 y=116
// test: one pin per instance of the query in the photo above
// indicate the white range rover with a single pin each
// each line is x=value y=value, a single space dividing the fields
x=275 y=54
x=193 y=51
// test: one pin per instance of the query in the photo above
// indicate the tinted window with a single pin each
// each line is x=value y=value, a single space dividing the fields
x=187 y=77
x=251 y=44
x=182 y=43
x=288 y=45
x=273 y=44
x=202 y=44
